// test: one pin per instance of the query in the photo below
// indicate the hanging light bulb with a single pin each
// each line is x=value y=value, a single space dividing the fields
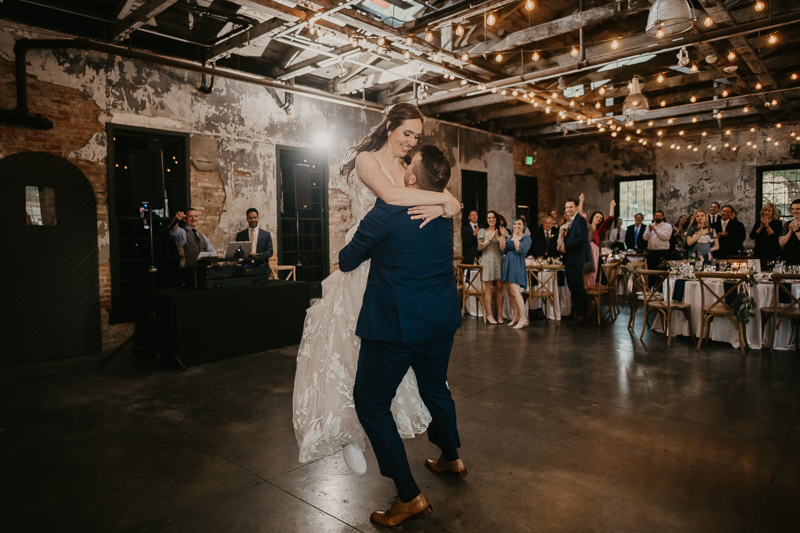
x=794 y=76
x=491 y=19
x=614 y=134
x=547 y=110
x=407 y=54
x=760 y=6
x=650 y=123
x=774 y=102
x=660 y=33
x=597 y=105
x=660 y=78
x=548 y=101
x=773 y=38
x=574 y=51
x=459 y=30
x=614 y=44
x=680 y=132
x=694 y=68
x=409 y=40
x=746 y=109
x=663 y=103
x=499 y=58
x=429 y=36
x=464 y=82
x=638 y=132
x=572 y=104
x=602 y=90
x=759 y=86
x=694 y=120
x=778 y=125
x=504 y=92
x=731 y=55
x=535 y=55
x=554 y=95
x=708 y=22
x=670 y=120
x=693 y=99
x=381 y=41
x=494 y=90
x=725 y=93
x=515 y=93
x=529 y=5
x=464 y=57
x=660 y=133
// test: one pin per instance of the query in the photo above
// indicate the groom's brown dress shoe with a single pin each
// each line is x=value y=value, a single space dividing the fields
x=454 y=468
x=417 y=508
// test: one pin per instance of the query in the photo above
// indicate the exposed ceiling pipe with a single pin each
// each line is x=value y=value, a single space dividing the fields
x=23 y=45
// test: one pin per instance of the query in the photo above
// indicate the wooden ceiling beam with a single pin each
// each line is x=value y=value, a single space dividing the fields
x=140 y=17
x=561 y=26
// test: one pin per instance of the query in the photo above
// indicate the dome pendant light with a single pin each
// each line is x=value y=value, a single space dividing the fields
x=670 y=17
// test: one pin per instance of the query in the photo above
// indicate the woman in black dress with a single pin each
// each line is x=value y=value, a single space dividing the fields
x=766 y=232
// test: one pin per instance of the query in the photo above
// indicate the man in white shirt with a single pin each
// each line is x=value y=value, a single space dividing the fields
x=657 y=236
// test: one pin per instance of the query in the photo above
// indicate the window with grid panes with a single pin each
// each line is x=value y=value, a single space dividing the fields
x=636 y=195
x=779 y=185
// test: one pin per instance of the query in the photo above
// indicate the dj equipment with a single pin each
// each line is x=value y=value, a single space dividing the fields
x=217 y=273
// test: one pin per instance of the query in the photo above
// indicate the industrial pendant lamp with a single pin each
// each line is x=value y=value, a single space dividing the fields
x=670 y=17
x=635 y=103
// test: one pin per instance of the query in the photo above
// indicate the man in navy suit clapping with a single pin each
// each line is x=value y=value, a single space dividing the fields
x=408 y=318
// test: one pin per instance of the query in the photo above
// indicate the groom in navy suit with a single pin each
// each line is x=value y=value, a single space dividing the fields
x=409 y=316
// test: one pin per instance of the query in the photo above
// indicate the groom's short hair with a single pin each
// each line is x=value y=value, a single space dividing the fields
x=433 y=169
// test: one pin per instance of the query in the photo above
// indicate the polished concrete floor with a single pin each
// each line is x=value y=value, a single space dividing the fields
x=563 y=429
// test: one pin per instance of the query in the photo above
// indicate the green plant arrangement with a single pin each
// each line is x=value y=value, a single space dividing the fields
x=743 y=305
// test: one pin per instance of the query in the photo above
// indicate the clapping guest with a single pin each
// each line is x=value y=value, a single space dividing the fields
x=700 y=238
x=679 y=237
x=490 y=240
x=634 y=237
x=790 y=237
x=515 y=274
x=766 y=233
x=598 y=227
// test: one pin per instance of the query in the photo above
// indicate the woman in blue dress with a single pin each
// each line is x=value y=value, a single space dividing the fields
x=515 y=274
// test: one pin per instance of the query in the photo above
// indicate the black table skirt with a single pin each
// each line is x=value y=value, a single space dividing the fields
x=205 y=326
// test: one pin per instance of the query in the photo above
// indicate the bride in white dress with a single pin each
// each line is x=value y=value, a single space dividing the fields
x=324 y=415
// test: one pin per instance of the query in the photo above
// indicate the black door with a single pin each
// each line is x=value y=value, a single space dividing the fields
x=128 y=216
x=473 y=194
x=528 y=199
x=303 y=215
x=50 y=283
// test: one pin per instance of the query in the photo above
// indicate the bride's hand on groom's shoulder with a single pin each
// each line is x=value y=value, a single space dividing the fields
x=425 y=213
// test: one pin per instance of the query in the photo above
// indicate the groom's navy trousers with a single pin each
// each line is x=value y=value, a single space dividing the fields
x=409 y=315
x=381 y=368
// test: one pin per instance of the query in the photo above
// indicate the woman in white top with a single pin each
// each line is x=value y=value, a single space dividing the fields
x=324 y=415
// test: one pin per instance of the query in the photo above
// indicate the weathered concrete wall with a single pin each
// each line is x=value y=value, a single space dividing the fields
x=685 y=180
x=234 y=135
x=543 y=168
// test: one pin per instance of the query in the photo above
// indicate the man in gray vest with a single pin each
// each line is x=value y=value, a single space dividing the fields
x=190 y=242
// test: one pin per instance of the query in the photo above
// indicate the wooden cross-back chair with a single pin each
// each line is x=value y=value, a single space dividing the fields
x=471 y=287
x=606 y=286
x=547 y=287
x=719 y=307
x=778 y=313
x=291 y=272
x=654 y=301
x=635 y=290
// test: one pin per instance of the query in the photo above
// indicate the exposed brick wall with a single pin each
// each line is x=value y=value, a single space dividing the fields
x=208 y=198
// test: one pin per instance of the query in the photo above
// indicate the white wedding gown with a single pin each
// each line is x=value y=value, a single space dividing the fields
x=324 y=415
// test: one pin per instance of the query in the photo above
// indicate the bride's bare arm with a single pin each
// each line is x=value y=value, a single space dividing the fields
x=370 y=173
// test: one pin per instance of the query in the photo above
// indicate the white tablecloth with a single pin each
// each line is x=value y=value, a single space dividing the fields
x=563 y=301
x=723 y=329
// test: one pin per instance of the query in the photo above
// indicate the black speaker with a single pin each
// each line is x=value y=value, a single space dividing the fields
x=302 y=187
x=147 y=178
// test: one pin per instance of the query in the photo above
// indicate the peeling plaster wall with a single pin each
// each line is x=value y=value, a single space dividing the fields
x=234 y=136
x=685 y=180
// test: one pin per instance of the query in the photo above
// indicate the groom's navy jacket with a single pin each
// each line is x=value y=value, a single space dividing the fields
x=411 y=293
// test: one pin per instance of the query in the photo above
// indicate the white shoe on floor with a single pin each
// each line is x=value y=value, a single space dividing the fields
x=354 y=458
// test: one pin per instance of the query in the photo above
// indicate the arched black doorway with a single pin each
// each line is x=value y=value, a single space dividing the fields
x=50 y=285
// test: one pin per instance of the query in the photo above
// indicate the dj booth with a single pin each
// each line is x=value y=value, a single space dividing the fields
x=202 y=326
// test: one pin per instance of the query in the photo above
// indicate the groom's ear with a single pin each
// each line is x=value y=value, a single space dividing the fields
x=412 y=180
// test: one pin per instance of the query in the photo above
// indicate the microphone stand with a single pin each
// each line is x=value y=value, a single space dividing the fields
x=152 y=316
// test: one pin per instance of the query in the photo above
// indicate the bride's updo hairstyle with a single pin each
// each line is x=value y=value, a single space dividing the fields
x=379 y=135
